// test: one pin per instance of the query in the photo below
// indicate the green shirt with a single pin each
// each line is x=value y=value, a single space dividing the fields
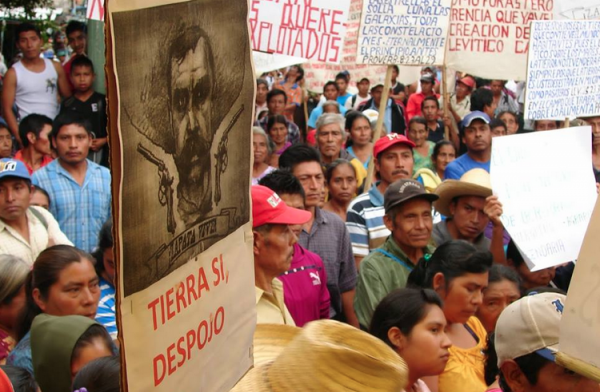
x=378 y=276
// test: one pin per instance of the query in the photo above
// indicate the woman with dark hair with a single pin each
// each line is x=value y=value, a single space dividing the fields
x=360 y=133
x=100 y=375
x=411 y=322
x=504 y=288
x=63 y=282
x=458 y=272
x=105 y=269
x=340 y=179
x=21 y=380
x=511 y=120
x=13 y=273
x=443 y=153
x=277 y=131
x=61 y=346
x=293 y=90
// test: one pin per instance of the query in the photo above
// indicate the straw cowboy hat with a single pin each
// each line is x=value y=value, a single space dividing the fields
x=475 y=182
x=323 y=356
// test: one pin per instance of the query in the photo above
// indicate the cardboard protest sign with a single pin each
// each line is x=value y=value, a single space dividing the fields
x=577 y=9
x=317 y=74
x=407 y=33
x=180 y=105
x=490 y=38
x=311 y=29
x=562 y=76
x=580 y=323
x=265 y=62
x=547 y=202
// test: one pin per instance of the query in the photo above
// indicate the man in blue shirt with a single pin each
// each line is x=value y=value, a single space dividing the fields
x=477 y=137
x=79 y=188
x=331 y=93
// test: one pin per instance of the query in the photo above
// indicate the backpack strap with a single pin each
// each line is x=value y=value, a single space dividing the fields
x=39 y=216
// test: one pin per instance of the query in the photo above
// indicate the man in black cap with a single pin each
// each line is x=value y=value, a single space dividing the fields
x=394 y=119
x=408 y=217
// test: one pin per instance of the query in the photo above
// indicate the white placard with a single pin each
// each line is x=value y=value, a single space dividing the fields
x=577 y=9
x=546 y=185
x=265 y=62
x=95 y=10
x=563 y=76
x=310 y=29
x=403 y=32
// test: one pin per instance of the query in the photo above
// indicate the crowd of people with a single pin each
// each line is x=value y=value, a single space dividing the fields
x=411 y=283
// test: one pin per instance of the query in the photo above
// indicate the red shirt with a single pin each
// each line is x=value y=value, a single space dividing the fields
x=413 y=107
x=45 y=160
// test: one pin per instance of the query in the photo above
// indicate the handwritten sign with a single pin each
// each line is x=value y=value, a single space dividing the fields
x=580 y=323
x=562 y=77
x=547 y=201
x=490 y=38
x=95 y=10
x=311 y=29
x=577 y=9
x=317 y=74
x=265 y=62
x=403 y=32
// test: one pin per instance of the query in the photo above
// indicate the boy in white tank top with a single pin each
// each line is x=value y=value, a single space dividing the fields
x=33 y=83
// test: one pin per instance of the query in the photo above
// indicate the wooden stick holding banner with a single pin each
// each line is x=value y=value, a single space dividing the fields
x=567 y=122
x=305 y=105
x=377 y=134
x=446 y=101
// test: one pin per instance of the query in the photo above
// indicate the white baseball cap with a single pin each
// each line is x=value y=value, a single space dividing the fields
x=530 y=325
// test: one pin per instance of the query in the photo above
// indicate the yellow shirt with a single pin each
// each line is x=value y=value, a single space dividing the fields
x=270 y=308
x=464 y=370
x=40 y=237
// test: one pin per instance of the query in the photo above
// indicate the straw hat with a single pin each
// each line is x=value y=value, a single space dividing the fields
x=475 y=182
x=324 y=356
x=270 y=340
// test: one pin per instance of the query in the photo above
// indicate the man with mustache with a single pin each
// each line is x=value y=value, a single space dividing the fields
x=408 y=217
x=393 y=161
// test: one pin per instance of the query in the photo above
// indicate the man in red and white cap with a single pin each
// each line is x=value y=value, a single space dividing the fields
x=460 y=101
x=393 y=161
x=273 y=251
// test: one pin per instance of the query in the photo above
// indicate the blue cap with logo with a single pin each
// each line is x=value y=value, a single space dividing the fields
x=476 y=115
x=13 y=168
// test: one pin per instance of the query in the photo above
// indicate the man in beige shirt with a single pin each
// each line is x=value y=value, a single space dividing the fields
x=273 y=251
x=24 y=231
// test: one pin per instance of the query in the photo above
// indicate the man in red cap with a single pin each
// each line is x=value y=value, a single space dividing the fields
x=460 y=101
x=393 y=161
x=273 y=251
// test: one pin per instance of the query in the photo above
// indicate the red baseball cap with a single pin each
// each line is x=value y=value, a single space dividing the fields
x=468 y=81
x=268 y=208
x=388 y=141
x=5 y=384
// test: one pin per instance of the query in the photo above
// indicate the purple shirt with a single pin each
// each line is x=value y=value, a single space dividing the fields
x=305 y=287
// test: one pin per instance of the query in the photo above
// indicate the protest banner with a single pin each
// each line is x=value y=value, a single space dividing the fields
x=547 y=202
x=577 y=9
x=563 y=77
x=317 y=74
x=580 y=323
x=180 y=106
x=490 y=38
x=95 y=42
x=265 y=62
x=403 y=33
x=310 y=29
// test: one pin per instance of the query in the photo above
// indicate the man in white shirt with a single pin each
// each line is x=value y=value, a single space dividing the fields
x=363 y=95
x=25 y=231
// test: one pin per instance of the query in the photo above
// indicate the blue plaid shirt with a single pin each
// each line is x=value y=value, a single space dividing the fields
x=80 y=210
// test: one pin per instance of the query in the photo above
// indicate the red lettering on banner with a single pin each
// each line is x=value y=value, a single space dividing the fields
x=93 y=10
x=158 y=379
x=171 y=359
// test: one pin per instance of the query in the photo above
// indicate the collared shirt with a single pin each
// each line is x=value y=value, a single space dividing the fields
x=270 y=307
x=461 y=108
x=365 y=222
x=379 y=275
x=105 y=314
x=387 y=119
x=329 y=239
x=80 y=210
x=437 y=134
x=11 y=241
x=441 y=235
x=305 y=287
x=45 y=160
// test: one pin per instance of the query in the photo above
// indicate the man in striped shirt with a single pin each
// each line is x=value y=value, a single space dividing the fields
x=393 y=161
